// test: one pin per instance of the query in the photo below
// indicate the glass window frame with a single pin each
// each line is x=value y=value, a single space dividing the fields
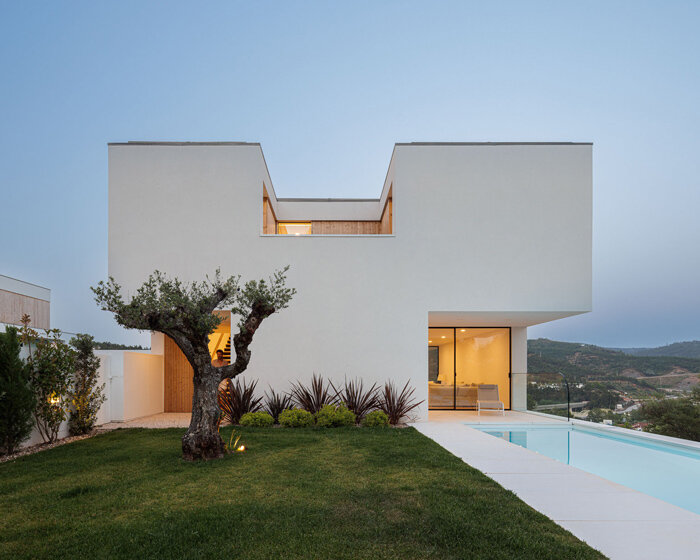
x=282 y=223
x=454 y=365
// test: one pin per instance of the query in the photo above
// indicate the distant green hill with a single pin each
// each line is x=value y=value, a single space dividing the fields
x=587 y=361
x=690 y=349
x=604 y=377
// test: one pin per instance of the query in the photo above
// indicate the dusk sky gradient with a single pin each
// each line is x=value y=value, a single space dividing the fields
x=327 y=88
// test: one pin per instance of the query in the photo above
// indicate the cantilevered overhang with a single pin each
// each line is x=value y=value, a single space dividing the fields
x=496 y=318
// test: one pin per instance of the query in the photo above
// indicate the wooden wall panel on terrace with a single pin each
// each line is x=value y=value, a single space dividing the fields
x=387 y=220
x=269 y=218
x=344 y=228
x=178 y=379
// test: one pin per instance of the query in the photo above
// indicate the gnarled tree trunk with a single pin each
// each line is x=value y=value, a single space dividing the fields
x=184 y=311
x=202 y=439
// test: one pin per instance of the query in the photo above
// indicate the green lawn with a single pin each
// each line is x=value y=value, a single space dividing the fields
x=339 y=493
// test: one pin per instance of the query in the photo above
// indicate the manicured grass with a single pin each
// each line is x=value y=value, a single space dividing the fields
x=307 y=493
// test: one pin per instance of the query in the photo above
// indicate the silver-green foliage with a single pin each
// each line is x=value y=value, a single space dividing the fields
x=169 y=305
x=184 y=311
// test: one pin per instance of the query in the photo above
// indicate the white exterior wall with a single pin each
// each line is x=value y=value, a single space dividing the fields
x=35 y=436
x=133 y=385
x=143 y=385
x=484 y=235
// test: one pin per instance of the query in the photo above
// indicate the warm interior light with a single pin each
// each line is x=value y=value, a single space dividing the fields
x=240 y=448
x=54 y=399
x=430 y=342
x=444 y=337
x=294 y=228
x=462 y=330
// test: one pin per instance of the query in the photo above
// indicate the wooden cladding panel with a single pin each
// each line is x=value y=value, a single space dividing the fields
x=344 y=228
x=269 y=222
x=178 y=379
x=13 y=306
x=386 y=223
x=269 y=218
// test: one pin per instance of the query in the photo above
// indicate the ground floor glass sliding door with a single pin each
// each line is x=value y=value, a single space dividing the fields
x=462 y=358
x=441 y=371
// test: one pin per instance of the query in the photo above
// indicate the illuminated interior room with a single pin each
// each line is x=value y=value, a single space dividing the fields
x=462 y=358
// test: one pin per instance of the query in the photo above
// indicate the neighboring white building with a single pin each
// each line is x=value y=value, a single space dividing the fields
x=434 y=282
x=18 y=298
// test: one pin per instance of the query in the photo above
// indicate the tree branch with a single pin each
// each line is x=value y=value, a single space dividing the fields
x=241 y=341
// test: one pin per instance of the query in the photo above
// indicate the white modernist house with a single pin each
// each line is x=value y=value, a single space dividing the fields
x=434 y=282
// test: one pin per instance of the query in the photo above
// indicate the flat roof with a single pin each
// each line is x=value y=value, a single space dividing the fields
x=493 y=144
x=165 y=143
x=17 y=286
x=23 y=281
x=328 y=200
x=240 y=143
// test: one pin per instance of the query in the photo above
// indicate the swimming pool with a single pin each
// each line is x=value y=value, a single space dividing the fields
x=663 y=470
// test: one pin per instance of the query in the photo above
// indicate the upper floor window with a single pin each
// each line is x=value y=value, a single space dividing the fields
x=298 y=222
x=294 y=228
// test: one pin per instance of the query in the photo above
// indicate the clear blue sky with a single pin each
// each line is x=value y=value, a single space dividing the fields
x=327 y=88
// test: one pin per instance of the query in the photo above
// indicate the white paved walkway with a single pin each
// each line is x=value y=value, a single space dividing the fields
x=162 y=420
x=620 y=522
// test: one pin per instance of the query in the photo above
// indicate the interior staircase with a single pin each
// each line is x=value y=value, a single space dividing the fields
x=227 y=351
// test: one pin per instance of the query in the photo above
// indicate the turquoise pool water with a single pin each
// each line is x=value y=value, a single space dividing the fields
x=666 y=471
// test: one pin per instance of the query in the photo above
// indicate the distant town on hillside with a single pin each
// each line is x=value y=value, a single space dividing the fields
x=609 y=384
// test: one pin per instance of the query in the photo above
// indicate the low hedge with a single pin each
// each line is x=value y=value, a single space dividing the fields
x=375 y=419
x=257 y=419
x=331 y=416
x=296 y=418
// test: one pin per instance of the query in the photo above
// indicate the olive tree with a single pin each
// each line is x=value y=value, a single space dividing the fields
x=185 y=312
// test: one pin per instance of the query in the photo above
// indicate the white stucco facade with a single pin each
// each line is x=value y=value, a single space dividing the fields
x=483 y=235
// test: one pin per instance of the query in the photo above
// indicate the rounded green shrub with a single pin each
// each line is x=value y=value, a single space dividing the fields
x=257 y=419
x=296 y=418
x=375 y=419
x=331 y=416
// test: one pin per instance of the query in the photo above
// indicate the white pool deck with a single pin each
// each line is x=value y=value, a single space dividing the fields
x=619 y=522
